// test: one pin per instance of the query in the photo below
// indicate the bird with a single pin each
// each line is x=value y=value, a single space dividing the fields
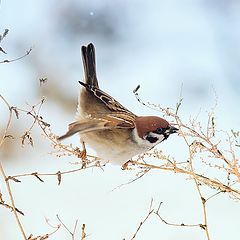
x=114 y=132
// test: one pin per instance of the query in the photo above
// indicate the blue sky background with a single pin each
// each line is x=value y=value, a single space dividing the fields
x=161 y=45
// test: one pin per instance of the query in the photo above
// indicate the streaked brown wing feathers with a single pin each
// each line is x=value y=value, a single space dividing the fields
x=107 y=100
x=110 y=121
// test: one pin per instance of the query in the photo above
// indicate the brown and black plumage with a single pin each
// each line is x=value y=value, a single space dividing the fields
x=114 y=132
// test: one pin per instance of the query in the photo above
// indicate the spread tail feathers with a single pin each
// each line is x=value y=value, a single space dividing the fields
x=89 y=63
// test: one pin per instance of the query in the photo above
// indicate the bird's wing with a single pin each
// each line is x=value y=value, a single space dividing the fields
x=111 y=121
x=106 y=99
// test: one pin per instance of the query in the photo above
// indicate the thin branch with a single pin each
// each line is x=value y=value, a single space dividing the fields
x=4 y=34
x=47 y=235
x=18 y=58
x=138 y=176
x=157 y=212
x=203 y=201
x=151 y=210
x=72 y=233
x=3 y=172
x=10 y=207
x=204 y=180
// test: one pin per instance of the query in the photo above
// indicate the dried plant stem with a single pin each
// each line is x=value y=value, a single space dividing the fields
x=18 y=58
x=151 y=210
x=72 y=233
x=202 y=179
x=3 y=172
x=203 y=201
x=157 y=212
x=12 y=202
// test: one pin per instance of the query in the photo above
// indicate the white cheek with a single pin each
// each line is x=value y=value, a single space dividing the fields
x=145 y=143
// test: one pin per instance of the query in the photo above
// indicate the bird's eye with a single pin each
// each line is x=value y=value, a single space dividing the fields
x=159 y=130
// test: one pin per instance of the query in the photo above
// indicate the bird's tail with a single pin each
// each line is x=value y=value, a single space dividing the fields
x=89 y=64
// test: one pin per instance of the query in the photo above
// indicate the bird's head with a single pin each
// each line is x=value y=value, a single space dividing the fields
x=153 y=129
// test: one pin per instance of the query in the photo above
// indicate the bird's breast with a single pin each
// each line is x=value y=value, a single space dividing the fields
x=116 y=146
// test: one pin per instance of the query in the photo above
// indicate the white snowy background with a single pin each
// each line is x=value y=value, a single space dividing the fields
x=163 y=46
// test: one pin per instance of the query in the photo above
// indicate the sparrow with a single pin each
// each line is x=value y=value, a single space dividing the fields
x=114 y=132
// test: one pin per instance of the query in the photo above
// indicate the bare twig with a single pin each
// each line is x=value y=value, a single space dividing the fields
x=203 y=201
x=10 y=207
x=72 y=233
x=4 y=34
x=157 y=212
x=4 y=174
x=47 y=235
x=151 y=210
x=18 y=58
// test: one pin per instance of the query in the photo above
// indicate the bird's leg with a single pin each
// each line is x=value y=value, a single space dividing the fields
x=125 y=165
x=83 y=154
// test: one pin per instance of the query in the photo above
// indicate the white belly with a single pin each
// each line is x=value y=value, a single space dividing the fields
x=110 y=150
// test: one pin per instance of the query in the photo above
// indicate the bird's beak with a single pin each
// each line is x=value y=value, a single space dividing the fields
x=173 y=130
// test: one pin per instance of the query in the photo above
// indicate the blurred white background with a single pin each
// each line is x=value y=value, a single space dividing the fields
x=161 y=45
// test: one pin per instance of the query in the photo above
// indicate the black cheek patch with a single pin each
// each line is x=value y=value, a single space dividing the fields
x=151 y=139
